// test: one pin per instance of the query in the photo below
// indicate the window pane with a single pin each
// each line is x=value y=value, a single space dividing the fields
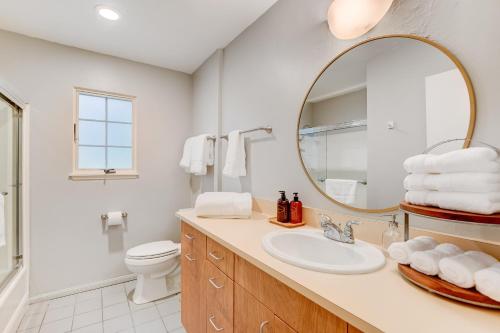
x=91 y=107
x=91 y=158
x=119 y=110
x=119 y=158
x=119 y=134
x=91 y=133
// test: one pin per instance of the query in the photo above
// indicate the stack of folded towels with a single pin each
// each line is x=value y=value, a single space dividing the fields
x=466 y=180
x=229 y=205
x=463 y=269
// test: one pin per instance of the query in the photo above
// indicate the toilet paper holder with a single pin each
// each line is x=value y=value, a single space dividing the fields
x=105 y=216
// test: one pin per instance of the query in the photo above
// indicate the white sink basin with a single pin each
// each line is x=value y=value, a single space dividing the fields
x=311 y=250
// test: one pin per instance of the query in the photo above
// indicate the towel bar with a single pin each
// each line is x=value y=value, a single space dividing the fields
x=268 y=130
x=105 y=216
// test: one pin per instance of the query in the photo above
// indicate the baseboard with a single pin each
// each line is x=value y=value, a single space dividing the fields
x=81 y=288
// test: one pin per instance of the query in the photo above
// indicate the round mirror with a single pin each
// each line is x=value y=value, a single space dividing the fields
x=373 y=106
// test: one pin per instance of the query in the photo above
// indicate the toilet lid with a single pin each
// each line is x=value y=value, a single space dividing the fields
x=153 y=250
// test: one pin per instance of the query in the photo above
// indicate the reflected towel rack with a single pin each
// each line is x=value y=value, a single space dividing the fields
x=335 y=127
x=268 y=130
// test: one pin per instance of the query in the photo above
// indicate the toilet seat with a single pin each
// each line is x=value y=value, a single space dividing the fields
x=153 y=250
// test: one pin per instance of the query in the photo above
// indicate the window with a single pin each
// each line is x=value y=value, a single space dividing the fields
x=104 y=135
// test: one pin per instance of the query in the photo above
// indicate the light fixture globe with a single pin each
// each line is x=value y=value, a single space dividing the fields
x=107 y=12
x=350 y=19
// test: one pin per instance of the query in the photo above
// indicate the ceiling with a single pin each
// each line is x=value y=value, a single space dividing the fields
x=175 y=34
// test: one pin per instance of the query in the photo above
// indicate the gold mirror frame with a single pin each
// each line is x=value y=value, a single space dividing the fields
x=446 y=52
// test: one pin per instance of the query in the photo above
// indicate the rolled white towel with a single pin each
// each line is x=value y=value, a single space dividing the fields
x=476 y=159
x=427 y=262
x=480 y=203
x=460 y=269
x=454 y=182
x=488 y=281
x=402 y=251
x=224 y=205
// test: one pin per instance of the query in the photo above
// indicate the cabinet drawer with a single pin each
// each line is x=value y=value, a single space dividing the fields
x=219 y=290
x=193 y=242
x=220 y=257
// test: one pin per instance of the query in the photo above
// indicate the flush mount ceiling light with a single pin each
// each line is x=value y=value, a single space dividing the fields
x=350 y=19
x=107 y=13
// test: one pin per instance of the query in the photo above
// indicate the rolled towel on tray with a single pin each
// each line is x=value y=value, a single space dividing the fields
x=480 y=203
x=476 y=159
x=402 y=251
x=488 y=281
x=427 y=262
x=454 y=182
x=459 y=270
x=224 y=205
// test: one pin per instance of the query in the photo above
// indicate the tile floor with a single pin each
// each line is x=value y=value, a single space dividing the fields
x=105 y=310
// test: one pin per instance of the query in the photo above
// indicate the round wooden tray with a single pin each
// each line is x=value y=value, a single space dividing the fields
x=452 y=215
x=435 y=285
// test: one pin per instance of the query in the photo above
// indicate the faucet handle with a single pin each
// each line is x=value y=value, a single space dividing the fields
x=352 y=222
x=325 y=220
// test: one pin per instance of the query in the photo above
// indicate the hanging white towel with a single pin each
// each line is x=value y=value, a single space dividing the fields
x=2 y=221
x=454 y=182
x=460 y=269
x=476 y=159
x=488 y=281
x=402 y=251
x=427 y=262
x=198 y=153
x=235 y=156
x=224 y=205
x=185 y=162
x=342 y=190
x=480 y=203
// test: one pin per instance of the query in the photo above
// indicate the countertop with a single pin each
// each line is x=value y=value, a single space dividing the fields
x=381 y=301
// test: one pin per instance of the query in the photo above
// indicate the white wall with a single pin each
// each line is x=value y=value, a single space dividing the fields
x=269 y=68
x=67 y=242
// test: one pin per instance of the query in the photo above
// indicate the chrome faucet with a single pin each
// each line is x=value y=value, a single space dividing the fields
x=335 y=232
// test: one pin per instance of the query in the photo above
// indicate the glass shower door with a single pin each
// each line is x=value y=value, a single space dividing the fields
x=10 y=120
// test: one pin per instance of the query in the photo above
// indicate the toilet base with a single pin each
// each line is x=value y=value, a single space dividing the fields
x=149 y=289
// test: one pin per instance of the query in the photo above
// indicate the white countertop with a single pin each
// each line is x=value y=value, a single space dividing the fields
x=381 y=301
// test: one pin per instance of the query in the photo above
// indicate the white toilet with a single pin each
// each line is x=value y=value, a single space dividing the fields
x=153 y=262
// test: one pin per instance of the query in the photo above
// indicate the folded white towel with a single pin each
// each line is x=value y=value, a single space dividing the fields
x=427 y=262
x=476 y=159
x=342 y=190
x=2 y=221
x=402 y=251
x=480 y=203
x=224 y=205
x=235 y=156
x=185 y=162
x=488 y=281
x=454 y=182
x=460 y=269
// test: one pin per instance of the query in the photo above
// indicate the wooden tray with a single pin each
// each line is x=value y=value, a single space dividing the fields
x=452 y=215
x=286 y=225
x=435 y=285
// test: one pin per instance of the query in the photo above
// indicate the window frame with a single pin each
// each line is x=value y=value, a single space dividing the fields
x=99 y=174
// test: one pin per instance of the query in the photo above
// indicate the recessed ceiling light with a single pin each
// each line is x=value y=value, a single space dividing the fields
x=108 y=13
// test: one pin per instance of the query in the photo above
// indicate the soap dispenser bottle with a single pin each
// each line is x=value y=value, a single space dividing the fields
x=283 y=209
x=392 y=233
x=296 y=209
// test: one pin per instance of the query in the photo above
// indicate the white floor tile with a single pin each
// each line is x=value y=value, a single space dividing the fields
x=95 y=328
x=115 y=310
x=117 y=324
x=31 y=321
x=136 y=307
x=88 y=305
x=114 y=298
x=86 y=295
x=59 y=313
x=87 y=319
x=60 y=326
x=39 y=307
x=178 y=330
x=61 y=302
x=169 y=307
x=151 y=327
x=173 y=321
x=146 y=315
x=113 y=289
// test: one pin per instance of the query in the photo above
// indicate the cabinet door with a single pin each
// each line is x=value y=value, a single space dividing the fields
x=193 y=299
x=279 y=326
x=219 y=293
x=250 y=316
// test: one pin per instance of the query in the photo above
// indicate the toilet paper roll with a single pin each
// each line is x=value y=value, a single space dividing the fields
x=114 y=218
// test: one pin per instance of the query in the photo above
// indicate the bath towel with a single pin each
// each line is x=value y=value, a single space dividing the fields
x=488 y=281
x=224 y=205
x=342 y=190
x=480 y=203
x=402 y=251
x=460 y=269
x=454 y=182
x=235 y=156
x=198 y=153
x=476 y=159
x=185 y=162
x=2 y=221
x=427 y=262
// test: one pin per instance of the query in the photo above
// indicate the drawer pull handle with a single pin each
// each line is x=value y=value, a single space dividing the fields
x=211 y=320
x=188 y=257
x=262 y=325
x=212 y=282
x=189 y=237
x=214 y=256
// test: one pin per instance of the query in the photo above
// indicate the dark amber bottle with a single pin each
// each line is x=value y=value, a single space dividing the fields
x=283 y=209
x=296 y=209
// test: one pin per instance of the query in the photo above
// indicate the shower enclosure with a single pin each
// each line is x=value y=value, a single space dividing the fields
x=10 y=189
